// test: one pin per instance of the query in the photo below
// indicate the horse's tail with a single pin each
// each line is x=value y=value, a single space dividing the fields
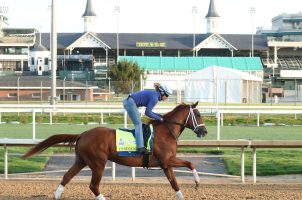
x=52 y=140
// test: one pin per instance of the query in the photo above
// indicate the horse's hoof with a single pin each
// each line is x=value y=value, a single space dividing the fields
x=58 y=192
x=196 y=186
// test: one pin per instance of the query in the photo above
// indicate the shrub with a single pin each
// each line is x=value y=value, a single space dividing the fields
x=85 y=119
x=39 y=118
x=23 y=119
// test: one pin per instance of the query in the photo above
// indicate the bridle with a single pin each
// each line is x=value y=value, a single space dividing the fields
x=193 y=118
x=194 y=122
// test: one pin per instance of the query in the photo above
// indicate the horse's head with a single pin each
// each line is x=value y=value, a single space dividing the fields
x=185 y=116
x=195 y=122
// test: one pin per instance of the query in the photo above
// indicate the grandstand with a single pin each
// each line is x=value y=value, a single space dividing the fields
x=284 y=62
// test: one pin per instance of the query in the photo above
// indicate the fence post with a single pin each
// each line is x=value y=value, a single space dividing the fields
x=125 y=119
x=254 y=165
x=113 y=171
x=102 y=118
x=5 y=162
x=133 y=173
x=50 y=117
x=218 y=124
x=34 y=124
x=242 y=165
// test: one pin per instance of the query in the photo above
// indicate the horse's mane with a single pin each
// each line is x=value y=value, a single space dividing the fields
x=177 y=108
x=171 y=113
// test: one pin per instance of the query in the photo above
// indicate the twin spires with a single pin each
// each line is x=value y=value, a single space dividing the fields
x=212 y=17
x=89 y=17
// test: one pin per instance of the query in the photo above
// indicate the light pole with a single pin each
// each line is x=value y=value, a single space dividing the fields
x=194 y=12
x=117 y=11
x=252 y=12
x=53 y=53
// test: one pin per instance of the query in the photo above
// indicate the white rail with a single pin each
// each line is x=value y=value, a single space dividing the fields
x=220 y=114
x=109 y=106
x=243 y=144
x=28 y=142
x=210 y=143
x=164 y=109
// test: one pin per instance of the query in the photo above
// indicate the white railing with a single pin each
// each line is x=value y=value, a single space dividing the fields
x=231 y=143
x=220 y=114
x=243 y=144
x=67 y=110
x=101 y=106
x=219 y=111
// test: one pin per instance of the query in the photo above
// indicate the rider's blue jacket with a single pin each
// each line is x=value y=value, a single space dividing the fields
x=148 y=99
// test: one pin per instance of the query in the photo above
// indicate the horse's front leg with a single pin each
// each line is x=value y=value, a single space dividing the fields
x=171 y=178
x=176 y=162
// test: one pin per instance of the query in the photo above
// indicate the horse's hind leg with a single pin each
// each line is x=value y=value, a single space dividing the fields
x=171 y=178
x=74 y=170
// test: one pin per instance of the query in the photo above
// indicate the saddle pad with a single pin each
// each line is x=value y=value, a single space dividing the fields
x=125 y=141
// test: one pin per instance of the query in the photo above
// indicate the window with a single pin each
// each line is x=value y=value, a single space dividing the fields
x=46 y=61
x=24 y=51
x=63 y=97
x=11 y=50
x=36 y=95
x=12 y=95
x=32 y=61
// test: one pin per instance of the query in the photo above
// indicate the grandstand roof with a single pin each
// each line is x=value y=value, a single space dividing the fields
x=40 y=47
x=195 y=63
x=168 y=41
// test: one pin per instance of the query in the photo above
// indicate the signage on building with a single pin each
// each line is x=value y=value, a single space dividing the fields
x=150 y=44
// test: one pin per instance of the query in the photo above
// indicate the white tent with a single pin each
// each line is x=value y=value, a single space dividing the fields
x=224 y=85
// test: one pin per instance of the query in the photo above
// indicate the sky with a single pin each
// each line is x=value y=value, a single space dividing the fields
x=148 y=16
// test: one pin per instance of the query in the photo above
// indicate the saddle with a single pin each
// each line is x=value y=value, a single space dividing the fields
x=126 y=143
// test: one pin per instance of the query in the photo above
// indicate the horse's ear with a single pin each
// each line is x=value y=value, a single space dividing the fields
x=195 y=104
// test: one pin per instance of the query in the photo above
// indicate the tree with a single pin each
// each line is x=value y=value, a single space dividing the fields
x=125 y=76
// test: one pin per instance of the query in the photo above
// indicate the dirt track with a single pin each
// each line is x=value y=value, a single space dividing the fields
x=38 y=190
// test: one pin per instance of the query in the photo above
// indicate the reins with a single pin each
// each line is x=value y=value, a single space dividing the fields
x=184 y=125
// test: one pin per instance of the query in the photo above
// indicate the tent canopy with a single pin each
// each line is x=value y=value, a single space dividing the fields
x=194 y=63
x=220 y=84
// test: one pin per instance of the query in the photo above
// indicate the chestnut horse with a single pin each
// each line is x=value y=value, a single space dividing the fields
x=94 y=147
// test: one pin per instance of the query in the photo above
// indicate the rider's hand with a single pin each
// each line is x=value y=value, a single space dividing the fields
x=161 y=119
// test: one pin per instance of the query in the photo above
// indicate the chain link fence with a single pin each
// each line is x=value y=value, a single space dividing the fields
x=22 y=90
